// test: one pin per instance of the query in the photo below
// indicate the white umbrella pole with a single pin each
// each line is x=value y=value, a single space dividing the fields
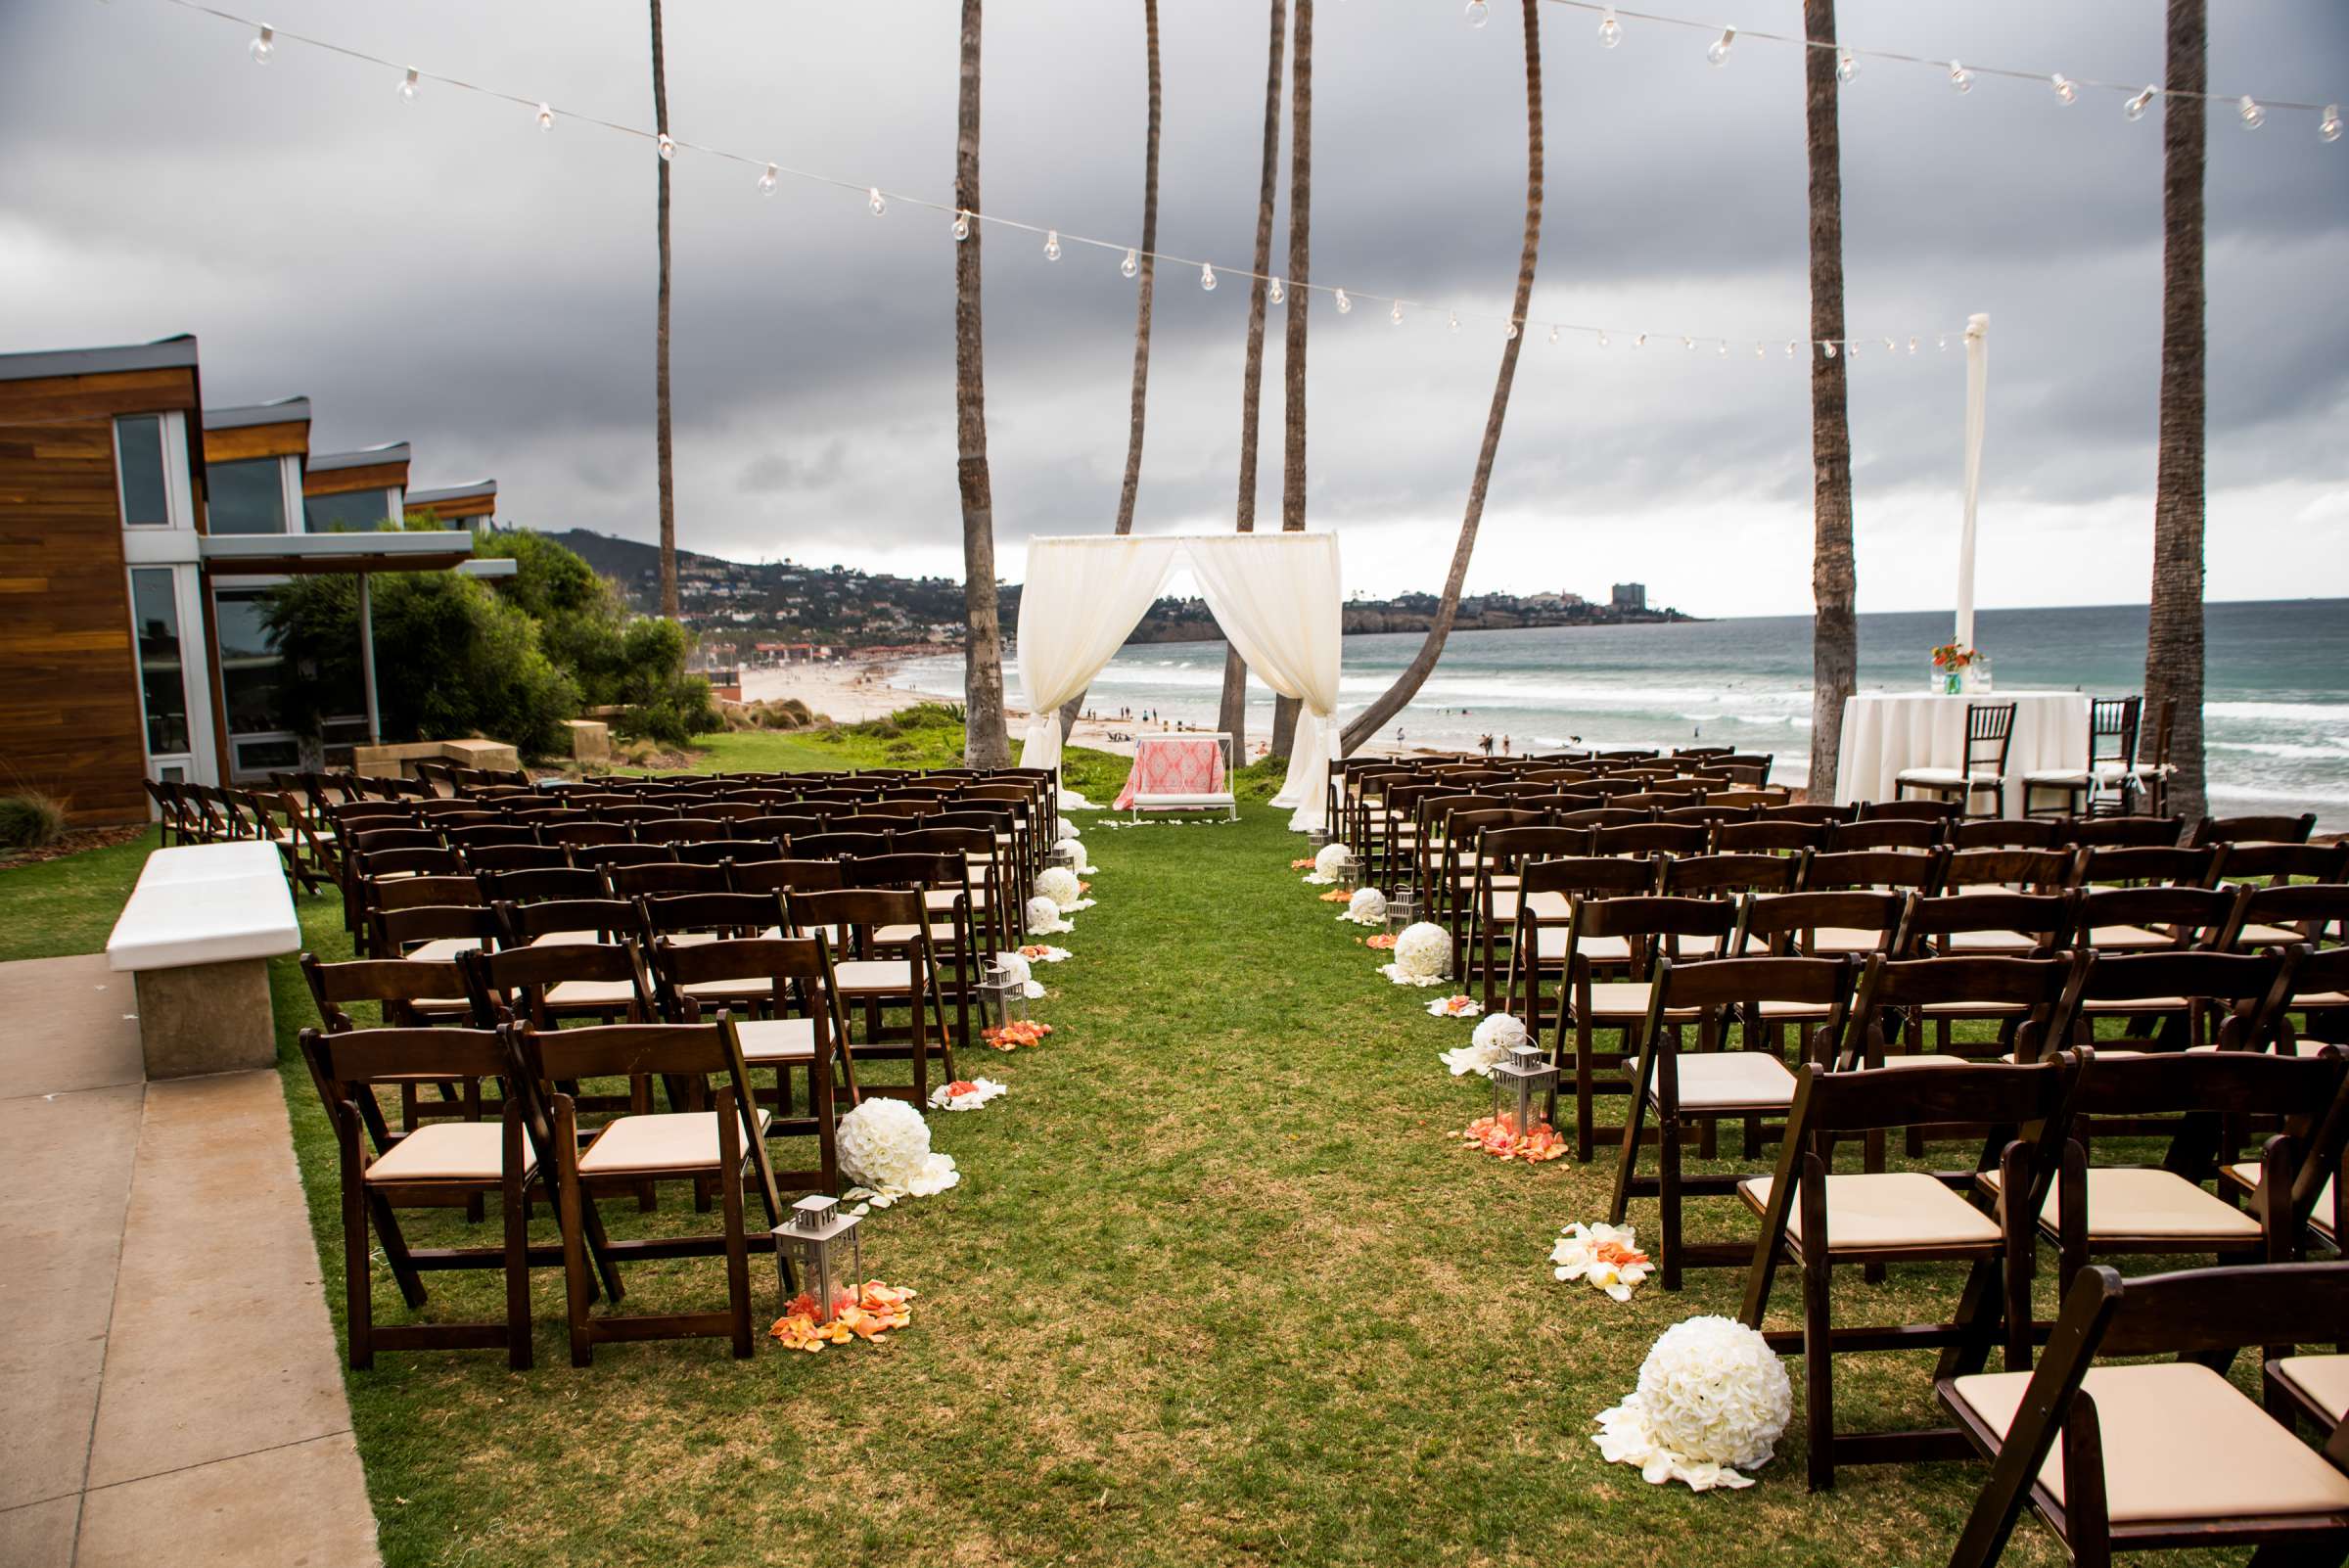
x=1977 y=380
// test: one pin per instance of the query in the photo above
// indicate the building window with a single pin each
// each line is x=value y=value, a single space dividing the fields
x=246 y=497
x=139 y=461
x=353 y=511
x=162 y=677
x=250 y=664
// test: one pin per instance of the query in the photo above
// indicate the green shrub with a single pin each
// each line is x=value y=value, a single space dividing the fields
x=30 y=820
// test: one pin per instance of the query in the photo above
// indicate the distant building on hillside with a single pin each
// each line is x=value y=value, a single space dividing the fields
x=1630 y=596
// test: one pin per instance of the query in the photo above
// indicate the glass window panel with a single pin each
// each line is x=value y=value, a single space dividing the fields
x=163 y=683
x=246 y=497
x=358 y=511
x=139 y=459
x=263 y=756
x=248 y=662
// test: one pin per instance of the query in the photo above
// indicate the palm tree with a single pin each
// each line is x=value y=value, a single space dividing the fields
x=664 y=452
x=986 y=744
x=1834 y=625
x=1232 y=716
x=2174 y=625
x=1393 y=699
x=1301 y=271
x=1141 y=323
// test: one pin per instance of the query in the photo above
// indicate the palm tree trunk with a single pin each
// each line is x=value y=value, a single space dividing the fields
x=2174 y=625
x=1301 y=271
x=1834 y=625
x=1141 y=321
x=986 y=744
x=1392 y=702
x=664 y=450
x=1232 y=716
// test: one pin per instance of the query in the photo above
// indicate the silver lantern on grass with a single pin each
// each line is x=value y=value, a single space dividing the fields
x=1002 y=995
x=1062 y=855
x=1316 y=839
x=821 y=1238
x=1521 y=1083
x=1403 y=908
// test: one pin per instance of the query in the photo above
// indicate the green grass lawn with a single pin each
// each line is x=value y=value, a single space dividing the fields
x=55 y=907
x=1216 y=1288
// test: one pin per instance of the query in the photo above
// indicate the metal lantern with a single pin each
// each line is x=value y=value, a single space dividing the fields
x=821 y=1237
x=1316 y=839
x=1403 y=908
x=1063 y=855
x=1002 y=995
x=1519 y=1081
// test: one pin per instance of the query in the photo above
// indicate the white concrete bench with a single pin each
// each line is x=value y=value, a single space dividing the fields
x=198 y=934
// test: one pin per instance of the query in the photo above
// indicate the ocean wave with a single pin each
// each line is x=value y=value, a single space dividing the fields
x=2302 y=712
x=2338 y=748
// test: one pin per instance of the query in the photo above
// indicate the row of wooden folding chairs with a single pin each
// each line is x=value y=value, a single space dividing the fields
x=188 y=813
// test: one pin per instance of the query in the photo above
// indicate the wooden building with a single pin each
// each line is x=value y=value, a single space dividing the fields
x=463 y=506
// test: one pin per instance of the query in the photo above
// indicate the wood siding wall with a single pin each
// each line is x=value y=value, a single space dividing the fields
x=344 y=481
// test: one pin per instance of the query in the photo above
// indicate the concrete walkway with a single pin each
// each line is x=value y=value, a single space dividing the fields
x=168 y=1371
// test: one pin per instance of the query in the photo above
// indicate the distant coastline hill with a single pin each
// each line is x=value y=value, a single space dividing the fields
x=736 y=605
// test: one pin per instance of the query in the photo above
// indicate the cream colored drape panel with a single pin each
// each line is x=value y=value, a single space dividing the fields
x=1082 y=598
x=1977 y=400
x=1276 y=596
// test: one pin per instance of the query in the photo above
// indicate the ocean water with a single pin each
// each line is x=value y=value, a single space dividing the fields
x=2276 y=712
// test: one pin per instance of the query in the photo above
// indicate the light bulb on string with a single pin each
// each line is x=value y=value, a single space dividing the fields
x=1758 y=349
x=962 y=224
x=1207 y=276
x=1851 y=348
x=1687 y=343
x=1511 y=334
x=2328 y=129
x=2247 y=109
x=669 y=148
x=1132 y=264
x=1960 y=79
x=1478 y=13
x=875 y=201
x=2065 y=91
x=408 y=86
x=1944 y=345
x=1912 y=346
x=1610 y=31
x=766 y=183
x=1725 y=348
x=1890 y=345
x=1553 y=335
x=1829 y=347
x=1602 y=337
x=1395 y=315
x=1452 y=319
x=1718 y=52
x=1790 y=348
x=1847 y=65
x=1278 y=291
x=1639 y=340
x=2135 y=107
x=1344 y=305
x=264 y=45
x=546 y=118
x=1052 y=244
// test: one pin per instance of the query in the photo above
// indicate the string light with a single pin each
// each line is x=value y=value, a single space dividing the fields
x=1725 y=348
x=1829 y=347
x=2065 y=92
x=1960 y=79
x=1688 y=343
x=1758 y=352
x=1453 y=320
x=1602 y=337
x=1847 y=65
x=2328 y=129
x=1511 y=334
x=1610 y=31
x=963 y=219
x=1052 y=244
x=1913 y=348
x=264 y=45
x=1478 y=13
x=2248 y=110
x=1719 y=53
x=2135 y=109
x=1790 y=348
x=1395 y=315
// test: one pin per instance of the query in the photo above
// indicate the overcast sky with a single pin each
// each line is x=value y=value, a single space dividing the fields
x=446 y=273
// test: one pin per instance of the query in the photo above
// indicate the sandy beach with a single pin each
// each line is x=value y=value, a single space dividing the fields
x=849 y=690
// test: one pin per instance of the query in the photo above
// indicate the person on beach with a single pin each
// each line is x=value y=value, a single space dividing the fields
x=1504 y=746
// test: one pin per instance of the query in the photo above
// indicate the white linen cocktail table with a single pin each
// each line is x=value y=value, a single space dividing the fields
x=1884 y=732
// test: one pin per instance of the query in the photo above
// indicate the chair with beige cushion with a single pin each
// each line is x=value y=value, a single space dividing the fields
x=958 y=946
x=2135 y=1455
x=1547 y=893
x=684 y=919
x=404 y=993
x=1503 y=855
x=1988 y=732
x=2314 y=912
x=718 y=1138
x=2119 y=920
x=1716 y=1081
x=1820 y=1218
x=1653 y=929
x=876 y=983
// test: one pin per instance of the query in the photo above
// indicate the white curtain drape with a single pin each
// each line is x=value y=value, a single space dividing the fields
x=1082 y=597
x=1277 y=598
x=1977 y=399
x=1276 y=595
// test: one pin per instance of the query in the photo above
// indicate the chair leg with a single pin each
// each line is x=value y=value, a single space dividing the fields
x=1668 y=1190
x=517 y=1260
x=570 y=1201
x=738 y=1262
x=358 y=1287
x=1819 y=1329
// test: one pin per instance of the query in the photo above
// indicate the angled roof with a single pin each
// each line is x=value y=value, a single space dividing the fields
x=364 y=457
x=162 y=354
x=484 y=490
x=281 y=411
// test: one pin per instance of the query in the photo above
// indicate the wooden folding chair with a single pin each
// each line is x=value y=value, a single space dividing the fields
x=873 y=980
x=2157 y=1454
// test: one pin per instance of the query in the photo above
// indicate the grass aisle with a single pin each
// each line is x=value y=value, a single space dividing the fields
x=1214 y=1289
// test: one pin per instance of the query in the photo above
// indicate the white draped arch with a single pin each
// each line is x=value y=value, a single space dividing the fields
x=1276 y=596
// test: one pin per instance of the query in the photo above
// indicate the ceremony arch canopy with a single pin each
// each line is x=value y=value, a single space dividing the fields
x=1276 y=595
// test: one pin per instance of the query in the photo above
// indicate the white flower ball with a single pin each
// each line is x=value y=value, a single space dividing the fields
x=1714 y=1392
x=1367 y=908
x=1333 y=862
x=1044 y=917
x=1499 y=1034
x=1058 y=883
x=1423 y=953
x=1016 y=966
x=885 y=1145
x=1079 y=860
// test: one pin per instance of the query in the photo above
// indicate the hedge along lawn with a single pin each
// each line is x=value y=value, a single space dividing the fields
x=1215 y=1288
